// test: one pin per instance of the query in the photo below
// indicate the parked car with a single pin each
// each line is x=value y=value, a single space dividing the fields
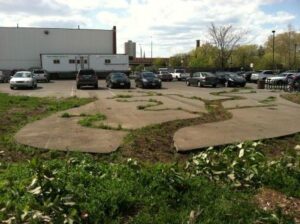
x=86 y=77
x=232 y=79
x=23 y=79
x=147 y=80
x=180 y=74
x=261 y=75
x=247 y=75
x=117 y=79
x=4 y=77
x=294 y=82
x=165 y=76
x=282 y=78
x=41 y=75
x=202 y=79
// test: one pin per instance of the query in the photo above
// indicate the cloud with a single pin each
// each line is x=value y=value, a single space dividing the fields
x=172 y=25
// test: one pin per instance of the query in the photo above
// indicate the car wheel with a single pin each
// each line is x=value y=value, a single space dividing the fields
x=35 y=86
x=96 y=86
x=111 y=86
x=214 y=85
x=78 y=86
x=11 y=87
x=188 y=83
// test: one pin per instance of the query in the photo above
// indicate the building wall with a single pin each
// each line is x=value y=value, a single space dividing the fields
x=130 y=49
x=20 y=48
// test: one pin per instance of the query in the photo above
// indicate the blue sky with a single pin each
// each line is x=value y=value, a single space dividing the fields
x=172 y=25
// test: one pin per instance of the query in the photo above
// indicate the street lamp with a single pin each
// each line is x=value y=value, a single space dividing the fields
x=295 y=55
x=273 y=31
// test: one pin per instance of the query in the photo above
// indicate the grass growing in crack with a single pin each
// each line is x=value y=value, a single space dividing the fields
x=123 y=96
x=89 y=120
x=269 y=99
x=66 y=115
x=293 y=97
x=152 y=103
x=155 y=142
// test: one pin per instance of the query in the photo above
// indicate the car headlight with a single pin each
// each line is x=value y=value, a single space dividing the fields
x=144 y=80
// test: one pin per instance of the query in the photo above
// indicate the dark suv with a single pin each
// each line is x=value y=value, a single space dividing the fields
x=86 y=77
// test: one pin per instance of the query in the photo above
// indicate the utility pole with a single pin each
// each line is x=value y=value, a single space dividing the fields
x=273 y=31
x=295 y=57
x=151 y=48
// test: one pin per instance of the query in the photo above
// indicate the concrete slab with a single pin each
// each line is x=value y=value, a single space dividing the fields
x=246 y=124
x=65 y=134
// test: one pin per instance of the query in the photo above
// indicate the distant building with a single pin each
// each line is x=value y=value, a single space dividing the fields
x=22 y=47
x=130 y=49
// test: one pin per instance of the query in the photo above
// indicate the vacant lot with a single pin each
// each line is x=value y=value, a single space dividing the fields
x=240 y=183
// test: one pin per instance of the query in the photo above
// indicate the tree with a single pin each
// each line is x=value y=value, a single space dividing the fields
x=178 y=60
x=160 y=63
x=244 y=55
x=225 y=38
x=203 y=57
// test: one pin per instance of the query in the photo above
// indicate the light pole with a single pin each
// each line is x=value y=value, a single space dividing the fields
x=273 y=31
x=151 y=47
x=295 y=57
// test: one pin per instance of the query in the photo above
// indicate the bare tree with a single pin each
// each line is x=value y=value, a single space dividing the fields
x=225 y=38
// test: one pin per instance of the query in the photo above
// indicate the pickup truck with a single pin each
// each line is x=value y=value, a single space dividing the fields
x=180 y=74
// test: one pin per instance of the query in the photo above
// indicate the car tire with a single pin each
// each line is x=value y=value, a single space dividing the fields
x=78 y=86
x=11 y=87
x=188 y=83
x=96 y=86
x=214 y=85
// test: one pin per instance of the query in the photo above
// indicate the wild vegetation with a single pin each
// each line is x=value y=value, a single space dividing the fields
x=211 y=186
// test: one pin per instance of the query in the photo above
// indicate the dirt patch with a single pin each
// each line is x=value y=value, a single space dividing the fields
x=276 y=147
x=155 y=143
x=293 y=97
x=270 y=200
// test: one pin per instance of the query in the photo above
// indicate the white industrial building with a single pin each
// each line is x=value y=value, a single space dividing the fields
x=23 y=47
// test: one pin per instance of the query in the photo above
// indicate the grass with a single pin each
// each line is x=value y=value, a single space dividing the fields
x=17 y=111
x=146 y=181
x=268 y=100
x=293 y=97
x=81 y=190
x=89 y=120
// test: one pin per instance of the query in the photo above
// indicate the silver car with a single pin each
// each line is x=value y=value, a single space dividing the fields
x=23 y=79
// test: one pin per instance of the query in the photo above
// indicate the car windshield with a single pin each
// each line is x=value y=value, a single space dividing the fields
x=232 y=75
x=22 y=75
x=118 y=75
x=38 y=71
x=148 y=75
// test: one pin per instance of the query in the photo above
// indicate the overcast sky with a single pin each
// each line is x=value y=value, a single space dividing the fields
x=174 y=25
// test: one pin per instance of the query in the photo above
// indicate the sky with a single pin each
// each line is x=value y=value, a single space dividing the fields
x=173 y=26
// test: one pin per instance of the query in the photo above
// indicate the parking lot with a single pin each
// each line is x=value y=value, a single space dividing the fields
x=256 y=114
